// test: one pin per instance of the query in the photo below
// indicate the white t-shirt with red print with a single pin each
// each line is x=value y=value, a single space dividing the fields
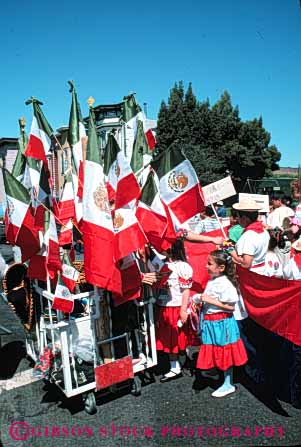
x=179 y=280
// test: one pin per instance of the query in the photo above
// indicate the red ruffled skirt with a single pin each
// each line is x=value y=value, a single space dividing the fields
x=221 y=345
x=169 y=337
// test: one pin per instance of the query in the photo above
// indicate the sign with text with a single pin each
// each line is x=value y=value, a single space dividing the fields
x=261 y=199
x=220 y=190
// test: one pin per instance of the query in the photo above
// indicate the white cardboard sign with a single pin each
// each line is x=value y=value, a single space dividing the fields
x=260 y=199
x=220 y=190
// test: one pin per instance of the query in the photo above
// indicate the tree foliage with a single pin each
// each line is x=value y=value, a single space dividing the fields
x=215 y=138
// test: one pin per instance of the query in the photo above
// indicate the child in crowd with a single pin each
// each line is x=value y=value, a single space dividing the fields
x=172 y=303
x=292 y=270
x=273 y=264
x=222 y=346
x=235 y=230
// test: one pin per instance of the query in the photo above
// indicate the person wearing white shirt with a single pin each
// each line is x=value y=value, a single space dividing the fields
x=281 y=211
x=251 y=248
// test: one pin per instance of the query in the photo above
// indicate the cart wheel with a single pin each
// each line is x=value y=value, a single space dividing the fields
x=90 y=404
x=136 y=386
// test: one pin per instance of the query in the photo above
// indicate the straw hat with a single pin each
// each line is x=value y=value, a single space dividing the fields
x=297 y=245
x=247 y=204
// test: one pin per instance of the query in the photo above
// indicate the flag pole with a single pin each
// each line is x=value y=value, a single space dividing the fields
x=219 y=221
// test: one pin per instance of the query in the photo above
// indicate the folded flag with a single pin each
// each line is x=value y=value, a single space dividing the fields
x=69 y=273
x=63 y=298
x=40 y=133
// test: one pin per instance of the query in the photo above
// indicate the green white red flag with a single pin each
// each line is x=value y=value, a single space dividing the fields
x=131 y=115
x=43 y=197
x=47 y=262
x=63 y=298
x=151 y=213
x=97 y=226
x=19 y=219
x=130 y=279
x=20 y=161
x=77 y=139
x=66 y=233
x=39 y=142
x=129 y=235
x=69 y=273
x=178 y=184
x=120 y=177
x=141 y=155
x=66 y=203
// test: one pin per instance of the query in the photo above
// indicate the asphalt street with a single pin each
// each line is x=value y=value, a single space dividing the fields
x=180 y=413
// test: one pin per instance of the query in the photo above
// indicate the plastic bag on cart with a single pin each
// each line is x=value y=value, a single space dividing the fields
x=83 y=349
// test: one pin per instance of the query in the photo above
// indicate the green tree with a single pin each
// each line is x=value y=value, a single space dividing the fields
x=215 y=138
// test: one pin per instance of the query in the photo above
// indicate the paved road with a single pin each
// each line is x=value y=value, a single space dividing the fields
x=181 y=413
x=175 y=414
x=6 y=252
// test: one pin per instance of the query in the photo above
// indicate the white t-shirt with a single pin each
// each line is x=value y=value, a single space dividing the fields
x=291 y=270
x=256 y=245
x=223 y=290
x=179 y=280
x=275 y=218
x=273 y=266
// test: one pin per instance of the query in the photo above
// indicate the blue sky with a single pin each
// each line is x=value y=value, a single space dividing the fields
x=250 y=48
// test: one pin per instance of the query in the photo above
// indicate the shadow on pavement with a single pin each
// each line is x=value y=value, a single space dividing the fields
x=11 y=355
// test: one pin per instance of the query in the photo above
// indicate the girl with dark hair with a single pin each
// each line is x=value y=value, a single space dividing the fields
x=221 y=346
x=172 y=309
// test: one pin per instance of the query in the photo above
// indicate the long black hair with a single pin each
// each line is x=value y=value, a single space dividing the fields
x=177 y=251
x=221 y=257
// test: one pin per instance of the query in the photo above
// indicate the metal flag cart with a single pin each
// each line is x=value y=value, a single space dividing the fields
x=82 y=354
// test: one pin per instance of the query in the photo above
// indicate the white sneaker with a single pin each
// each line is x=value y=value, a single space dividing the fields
x=222 y=393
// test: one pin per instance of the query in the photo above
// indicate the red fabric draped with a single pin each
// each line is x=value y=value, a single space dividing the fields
x=197 y=254
x=273 y=303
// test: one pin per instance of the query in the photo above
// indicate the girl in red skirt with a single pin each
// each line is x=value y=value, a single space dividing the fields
x=171 y=333
x=221 y=346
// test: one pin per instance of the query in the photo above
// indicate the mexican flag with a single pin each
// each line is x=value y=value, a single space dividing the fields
x=178 y=184
x=141 y=154
x=51 y=239
x=69 y=273
x=77 y=139
x=20 y=161
x=97 y=227
x=39 y=142
x=120 y=177
x=47 y=262
x=63 y=298
x=76 y=133
x=26 y=169
x=130 y=279
x=43 y=197
x=150 y=212
x=66 y=233
x=131 y=115
x=17 y=205
x=129 y=235
x=66 y=203
x=19 y=218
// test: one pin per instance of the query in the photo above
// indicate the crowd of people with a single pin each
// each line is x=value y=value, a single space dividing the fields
x=265 y=243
